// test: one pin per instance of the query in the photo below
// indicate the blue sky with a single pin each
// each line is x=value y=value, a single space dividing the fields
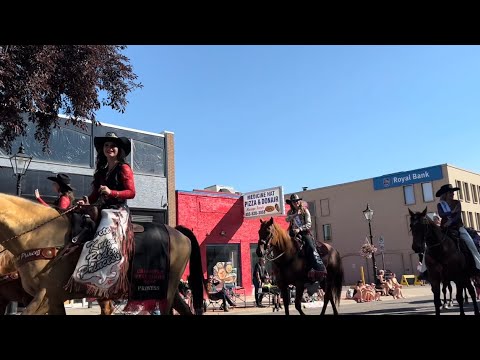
x=254 y=117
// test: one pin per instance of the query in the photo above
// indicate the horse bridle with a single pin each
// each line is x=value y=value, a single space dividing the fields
x=269 y=255
x=426 y=225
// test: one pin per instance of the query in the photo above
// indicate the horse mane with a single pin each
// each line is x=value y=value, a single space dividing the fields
x=280 y=238
x=7 y=264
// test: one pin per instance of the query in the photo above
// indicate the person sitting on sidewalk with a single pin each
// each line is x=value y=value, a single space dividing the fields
x=216 y=294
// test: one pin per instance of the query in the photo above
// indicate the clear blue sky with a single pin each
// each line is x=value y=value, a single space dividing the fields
x=254 y=117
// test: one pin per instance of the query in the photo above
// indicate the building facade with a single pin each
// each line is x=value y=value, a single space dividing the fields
x=338 y=219
x=216 y=218
x=72 y=152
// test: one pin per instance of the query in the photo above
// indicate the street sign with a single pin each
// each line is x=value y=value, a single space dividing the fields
x=381 y=244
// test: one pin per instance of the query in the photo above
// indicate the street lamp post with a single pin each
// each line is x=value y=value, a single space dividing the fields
x=368 y=213
x=20 y=163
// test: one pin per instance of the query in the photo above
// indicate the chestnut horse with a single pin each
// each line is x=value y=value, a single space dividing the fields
x=26 y=225
x=444 y=259
x=289 y=266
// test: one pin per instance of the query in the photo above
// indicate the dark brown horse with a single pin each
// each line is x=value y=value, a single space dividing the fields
x=444 y=259
x=289 y=266
x=44 y=228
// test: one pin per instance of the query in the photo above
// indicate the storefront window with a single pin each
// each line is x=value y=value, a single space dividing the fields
x=224 y=253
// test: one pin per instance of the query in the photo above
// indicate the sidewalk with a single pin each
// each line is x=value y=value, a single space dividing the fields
x=409 y=292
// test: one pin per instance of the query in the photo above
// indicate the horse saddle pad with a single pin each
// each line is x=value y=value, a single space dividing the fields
x=151 y=263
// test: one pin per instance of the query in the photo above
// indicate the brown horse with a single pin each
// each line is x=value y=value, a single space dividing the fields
x=25 y=225
x=444 y=259
x=289 y=266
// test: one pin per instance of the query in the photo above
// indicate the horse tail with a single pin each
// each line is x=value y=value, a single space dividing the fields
x=195 y=279
x=337 y=281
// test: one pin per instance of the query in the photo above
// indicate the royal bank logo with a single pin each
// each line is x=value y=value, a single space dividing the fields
x=386 y=182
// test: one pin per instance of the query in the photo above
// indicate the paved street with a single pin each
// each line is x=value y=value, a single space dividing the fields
x=419 y=301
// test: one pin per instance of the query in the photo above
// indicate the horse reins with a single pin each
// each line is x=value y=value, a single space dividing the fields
x=39 y=225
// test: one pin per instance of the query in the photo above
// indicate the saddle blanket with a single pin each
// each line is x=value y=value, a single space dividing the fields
x=101 y=267
x=150 y=271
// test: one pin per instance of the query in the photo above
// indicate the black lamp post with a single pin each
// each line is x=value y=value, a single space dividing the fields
x=20 y=163
x=368 y=213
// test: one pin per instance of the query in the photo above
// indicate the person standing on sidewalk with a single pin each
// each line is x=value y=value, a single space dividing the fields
x=259 y=274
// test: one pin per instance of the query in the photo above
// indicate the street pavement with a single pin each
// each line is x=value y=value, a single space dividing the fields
x=415 y=295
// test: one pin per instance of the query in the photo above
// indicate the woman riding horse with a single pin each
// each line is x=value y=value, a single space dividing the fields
x=289 y=266
x=38 y=236
x=445 y=260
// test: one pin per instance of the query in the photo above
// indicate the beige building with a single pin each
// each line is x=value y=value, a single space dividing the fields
x=338 y=219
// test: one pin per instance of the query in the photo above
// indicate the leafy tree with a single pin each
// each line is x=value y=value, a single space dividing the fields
x=42 y=80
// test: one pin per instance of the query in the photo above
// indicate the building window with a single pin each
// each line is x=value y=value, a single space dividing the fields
x=474 y=193
x=409 y=195
x=467 y=191
x=470 y=218
x=460 y=193
x=477 y=215
x=224 y=253
x=147 y=159
x=427 y=190
x=327 y=232
x=324 y=207
x=464 y=219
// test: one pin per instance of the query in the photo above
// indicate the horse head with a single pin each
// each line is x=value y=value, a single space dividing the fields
x=264 y=236
x=419 y=227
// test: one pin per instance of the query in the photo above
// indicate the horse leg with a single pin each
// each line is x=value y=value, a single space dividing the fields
x=465 y=296
x=180 y=305
x=328 y=296
x=460 y=287
x=106 y=306
x=36 y=302
x=444 y=291
x=3 y=306
x=56 y=308
x=471 y=290
x=298 y=297
x=286 y=299
x=436 y=296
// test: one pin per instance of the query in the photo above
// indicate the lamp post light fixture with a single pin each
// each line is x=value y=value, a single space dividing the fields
x=368 y=213
x=20 y=163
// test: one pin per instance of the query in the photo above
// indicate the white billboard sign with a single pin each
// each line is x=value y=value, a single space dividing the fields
x=263 y=203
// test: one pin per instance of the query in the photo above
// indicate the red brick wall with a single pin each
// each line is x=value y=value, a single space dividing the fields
x=208 y=214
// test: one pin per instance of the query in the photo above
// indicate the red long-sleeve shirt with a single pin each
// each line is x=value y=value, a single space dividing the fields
x=63 y=202
x=126 y=177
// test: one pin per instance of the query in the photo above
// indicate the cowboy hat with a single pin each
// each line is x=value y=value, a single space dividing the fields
x=445 y=189
x=63 y=180
x=121 y=142
x=293 y=198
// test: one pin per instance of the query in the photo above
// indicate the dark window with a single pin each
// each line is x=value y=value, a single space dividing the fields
x=147 y=159
x=224 y=253
x=67 y=146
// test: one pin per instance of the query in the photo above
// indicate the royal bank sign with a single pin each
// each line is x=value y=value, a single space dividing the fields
x=408 y=178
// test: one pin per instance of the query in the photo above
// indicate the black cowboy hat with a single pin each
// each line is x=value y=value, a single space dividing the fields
x=293 y=198
x=63 y=180
x=445 y=189
x=122 y=142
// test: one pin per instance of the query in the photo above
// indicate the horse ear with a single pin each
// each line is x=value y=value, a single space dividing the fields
x=424 y=212
x=261 y=221
x=411 y=212
x=270 y=221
